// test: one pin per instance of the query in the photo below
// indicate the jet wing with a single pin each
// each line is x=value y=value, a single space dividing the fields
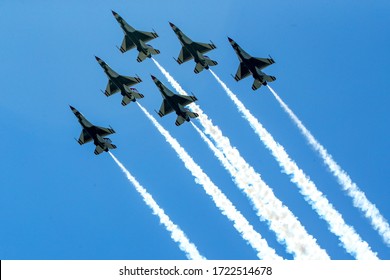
x=262 y=62
x=84 y=137
x=127 y=44
x=202 y=47
x=165 y=108
x=183 y=99
x=128 y=81
x=111 y=88
x=102 y=131
x=145 y=36
x=242 y=72
x=184 y=55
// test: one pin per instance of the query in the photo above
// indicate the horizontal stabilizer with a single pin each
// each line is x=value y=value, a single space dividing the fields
x=98 y=150
x=270 y=78
x=154 y=51
x=210 y=62
x=141 y=57
x=126 y=100
x=136 y=94
x=192 y=115
x=180 y=120
x=198 y=68
x=256 y=84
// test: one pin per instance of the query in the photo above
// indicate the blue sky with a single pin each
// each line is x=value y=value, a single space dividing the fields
x=60 y=201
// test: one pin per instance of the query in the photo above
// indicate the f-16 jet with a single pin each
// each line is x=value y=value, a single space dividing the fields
x=175 y=102
x=252 y=65
x=193 y=50
x=120 y=83
x=135 y=38
x=94 y=133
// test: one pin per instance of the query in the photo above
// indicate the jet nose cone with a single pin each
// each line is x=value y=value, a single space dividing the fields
x=171 y=24
x=114 y=13
x=74 y=110
x=153 y=77
x=98 y=59
x=230 y=40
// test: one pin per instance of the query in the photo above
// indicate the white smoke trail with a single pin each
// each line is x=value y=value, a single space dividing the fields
x=176 y=233
x=348 y=237
x=350 y=240
x=227 y=208
x=221 y=157
x=360 y=200
x=281 y=220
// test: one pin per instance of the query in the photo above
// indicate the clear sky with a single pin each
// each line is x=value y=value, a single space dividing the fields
x=60 y=201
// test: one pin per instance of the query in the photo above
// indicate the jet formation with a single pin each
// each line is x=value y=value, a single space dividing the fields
x=171 y=102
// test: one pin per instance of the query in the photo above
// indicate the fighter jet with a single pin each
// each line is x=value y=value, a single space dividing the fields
x=193 y=50
x=95 y=133
x=120 y=83
x=252 y=65
x=135 y=38
x=175 y=102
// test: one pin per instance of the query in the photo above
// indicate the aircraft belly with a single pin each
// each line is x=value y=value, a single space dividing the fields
x=132 y=38
x=194 y=53
x=175 y=107
x=118 y=85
